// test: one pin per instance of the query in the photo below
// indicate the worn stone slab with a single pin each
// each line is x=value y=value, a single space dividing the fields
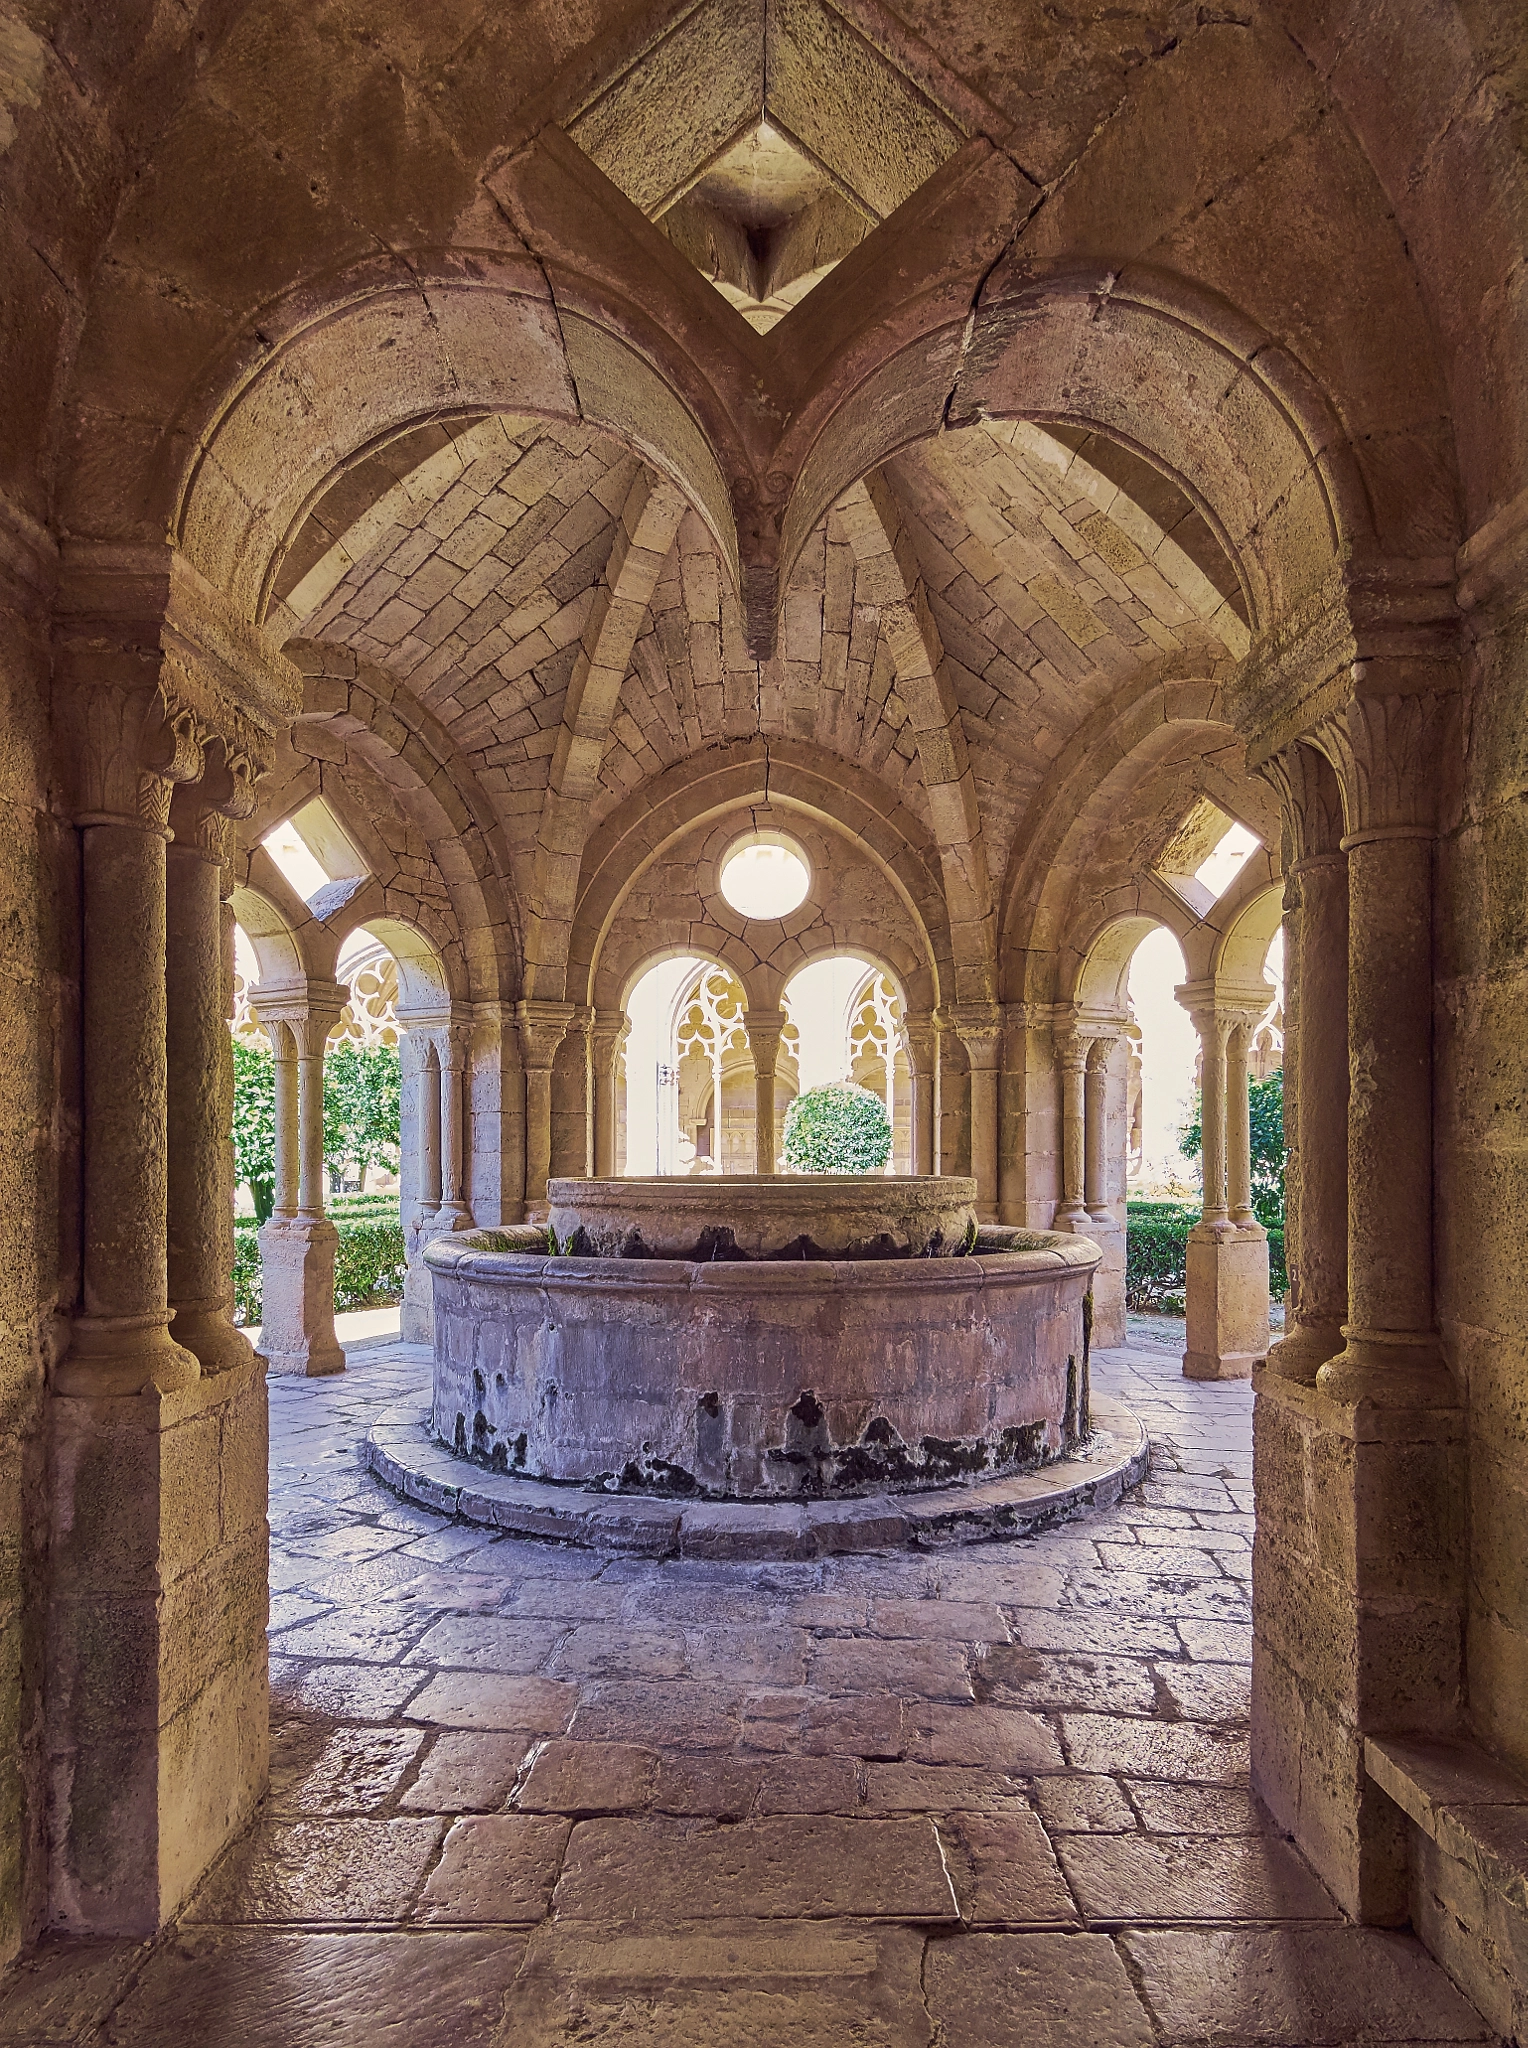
x=1266 y=1988
x=586 y=1778
x=496 y=1868
x=1004 y=1870
x=57 y=1995
x=1079 y=1805
x=318 y=1871
x=474 y=1699
x=1131 y=1879
x=1033 y=1991
x=1167 y=1809
x=744 y=1984
x=466 y=1771
x=356 y=1771
x=262 y=1988
x=1155 y=1749
x=809 y=1866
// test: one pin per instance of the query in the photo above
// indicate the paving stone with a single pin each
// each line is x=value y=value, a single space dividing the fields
x=609 y=1650
x=825 y=1784
x=343 y=1692
x=1209 y=1692
x=1155 y=1749
x=860 y=1664
x=356 y=1771
x=938 y=1788
x=656 y=1873
x=1094 y=1634
x=583 y=1778
x=1076 y=1805
x=464 y=1772
x=353 y=1635
x=61 y=1991
x=1168 y=1594
x=496 y=1867
x=747 y=1656
x=1012 y=1673
x=1217 y=1642
x=487 y=1643
x=719 y=1787
x=1033 y=1991
x=1004 y=1870
x=960 y=1621
x=1298 y=1988
x=1006 y=1737
x=320 y=1870
x=1200 y=1877
x=848 y=1727
x=1196 y=1809
x=259 y=1988
x=813 y=1984
x=689 y=1716
x=468 y=1699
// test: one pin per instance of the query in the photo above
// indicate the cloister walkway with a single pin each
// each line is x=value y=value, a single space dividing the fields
x=989 y=1798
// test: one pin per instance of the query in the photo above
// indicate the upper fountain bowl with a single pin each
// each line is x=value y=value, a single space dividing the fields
x=765 y=1216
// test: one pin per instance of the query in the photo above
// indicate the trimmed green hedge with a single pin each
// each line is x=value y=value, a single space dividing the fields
x=1156 y=1253
x=370 y=1264
x=838 y=1128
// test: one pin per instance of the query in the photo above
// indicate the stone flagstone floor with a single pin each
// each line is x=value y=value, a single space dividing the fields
x=984 y=1798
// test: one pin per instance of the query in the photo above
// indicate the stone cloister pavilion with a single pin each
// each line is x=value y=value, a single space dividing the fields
x=975 y=443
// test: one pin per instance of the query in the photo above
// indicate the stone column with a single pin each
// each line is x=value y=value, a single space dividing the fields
x=764 y=1029
x=1239 y=1125
x=980 y=1029
x=607 y=1035
x=297 y=1248
x=1360 y=1478
x=419 y=1166
x=453 y=1213
x=1102 y=1225
x=923 y=1058
x=154 y=1747
x=1227 y=1304
x=131 y=753
x=542 y=1027
x=1072 y=1060
x=284 y=1051
x=199 y=1071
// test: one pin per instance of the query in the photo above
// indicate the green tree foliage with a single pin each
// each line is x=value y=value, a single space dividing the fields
x=837 y=1129
x=362 y=1108
x=254 y=1124
x=1266 y=1106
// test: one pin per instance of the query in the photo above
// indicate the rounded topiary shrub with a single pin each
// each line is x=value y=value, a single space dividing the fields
x=837 y=1129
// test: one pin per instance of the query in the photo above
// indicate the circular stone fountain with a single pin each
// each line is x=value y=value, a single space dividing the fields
x=833 y=1354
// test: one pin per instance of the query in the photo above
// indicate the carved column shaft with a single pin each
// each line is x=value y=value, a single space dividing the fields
x=1096 y=1140
x=284 y=1047
x=543 y=1025
x=453 y=1158
x=1239 y=1124
x=765 y=1029
x=923 y=1058
x=1072 y=1214
x=979 y=1027
x=607 y=1035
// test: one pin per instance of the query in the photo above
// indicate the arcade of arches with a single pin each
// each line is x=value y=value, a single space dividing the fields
x=986 y=449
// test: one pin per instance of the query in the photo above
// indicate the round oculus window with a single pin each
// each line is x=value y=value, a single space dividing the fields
x=764 y=875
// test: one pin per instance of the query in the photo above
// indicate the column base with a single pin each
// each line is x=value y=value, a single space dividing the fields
x=1108 y=1280
x=1300 y=1354
x=130 y=1354
x=155 y=1658
x=1388 y=1369
x=297 y=1286
x=1227 y=1319
x=212 y=1339
x=1358 y=1625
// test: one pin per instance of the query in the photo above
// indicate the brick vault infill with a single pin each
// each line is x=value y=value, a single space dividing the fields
x=405 y=1456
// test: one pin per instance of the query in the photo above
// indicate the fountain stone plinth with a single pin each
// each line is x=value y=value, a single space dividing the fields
x=754 y=1361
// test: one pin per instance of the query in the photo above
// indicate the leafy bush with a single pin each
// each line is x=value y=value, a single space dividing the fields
x=1265 y=1102
x=254 y=1123
x=837 y=1129
x=1156 y=1251
x=362 y=1107
x=370 y=1264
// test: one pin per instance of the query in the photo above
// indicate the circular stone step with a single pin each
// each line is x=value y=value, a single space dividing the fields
x=404 y=1455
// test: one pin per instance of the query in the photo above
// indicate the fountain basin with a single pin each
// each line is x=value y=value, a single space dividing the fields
x=765 y=1216
x=765 y=1379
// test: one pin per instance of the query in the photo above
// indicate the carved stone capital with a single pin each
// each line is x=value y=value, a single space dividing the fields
x=608 y=1032
x=306 y=1010
x=1389 y=753
x=130 y=748
x=765 y=1029
x=1310 y=799
x=543 y=1026
x=979 y=1027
